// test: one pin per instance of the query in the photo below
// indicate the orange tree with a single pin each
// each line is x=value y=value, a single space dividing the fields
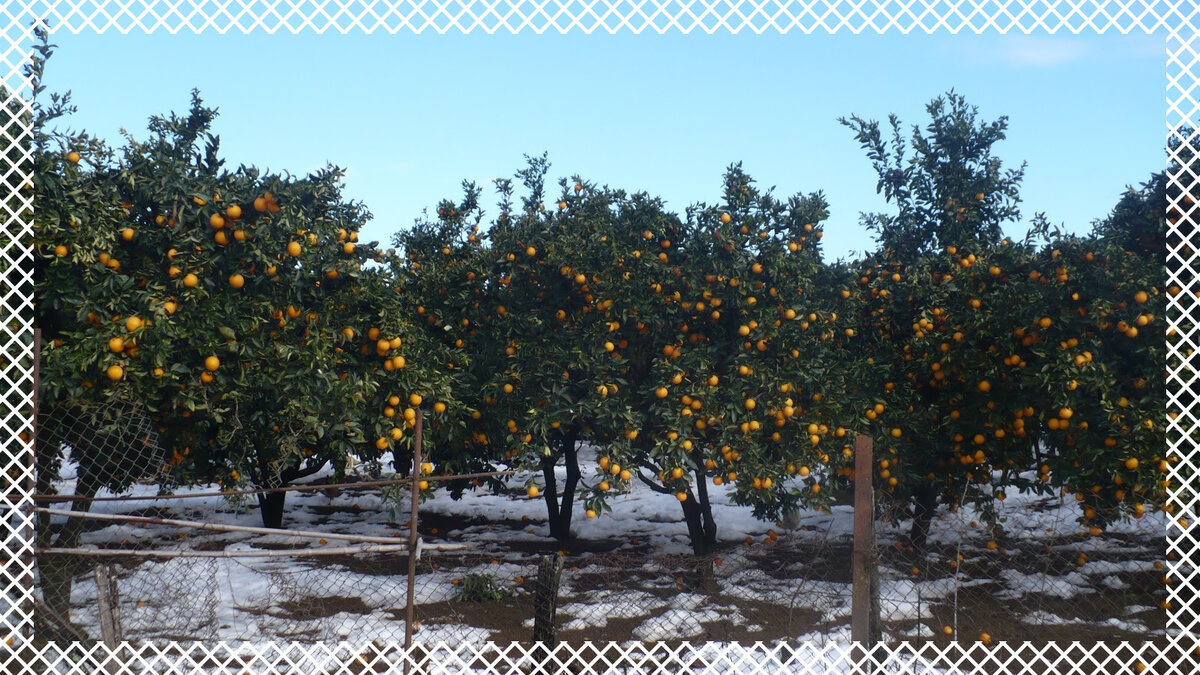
x=526 y=306
x=609 y=320
x=708 y=326
x=237 y=307
x=443 y=277
x=992 y=364
x=730 y=347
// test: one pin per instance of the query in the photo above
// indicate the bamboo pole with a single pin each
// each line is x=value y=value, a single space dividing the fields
x=291 y=488
x=215 y=527
x=414 y=540
x=268 y=553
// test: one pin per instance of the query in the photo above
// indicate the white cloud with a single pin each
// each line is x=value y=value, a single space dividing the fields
x=1042 y=51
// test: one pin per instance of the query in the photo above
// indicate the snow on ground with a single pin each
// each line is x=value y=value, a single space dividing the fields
x=260 y=597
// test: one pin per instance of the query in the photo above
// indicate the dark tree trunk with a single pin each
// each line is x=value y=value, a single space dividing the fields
x=924 y=506
x=697 y=513
x=708 y=526
x=559 y=513
x=270 y=506
x=58 y=571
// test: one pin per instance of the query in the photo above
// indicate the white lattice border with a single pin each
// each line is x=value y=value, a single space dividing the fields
x=1176 y=20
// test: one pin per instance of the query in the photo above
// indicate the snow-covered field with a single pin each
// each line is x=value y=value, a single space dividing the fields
x=628 y=576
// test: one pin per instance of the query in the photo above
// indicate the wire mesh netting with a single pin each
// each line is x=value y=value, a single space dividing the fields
x=318 y=599
x=102 y=446
x=128 y=571
x=1038 y=576
x=1041 y=577
x=474 y=597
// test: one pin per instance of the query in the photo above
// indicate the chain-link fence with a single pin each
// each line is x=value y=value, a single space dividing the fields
x=1037 y=576
x=1046 y=581
x=125 y=571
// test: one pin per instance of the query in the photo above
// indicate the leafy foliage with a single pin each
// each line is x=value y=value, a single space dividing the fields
x=709 y=348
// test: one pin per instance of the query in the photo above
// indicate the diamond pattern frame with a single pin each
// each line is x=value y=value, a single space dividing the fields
x=1177 y=20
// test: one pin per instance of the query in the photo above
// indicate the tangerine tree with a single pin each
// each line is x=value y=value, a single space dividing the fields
x=732 y=351
x=236 y=306
x=993 y=363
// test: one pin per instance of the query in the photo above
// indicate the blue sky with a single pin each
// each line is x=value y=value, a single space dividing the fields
x=411 y=116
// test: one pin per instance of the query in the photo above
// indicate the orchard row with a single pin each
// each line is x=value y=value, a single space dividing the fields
x=716 y=347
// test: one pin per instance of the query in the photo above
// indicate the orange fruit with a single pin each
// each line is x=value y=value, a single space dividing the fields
x=127 y=234
x=293 y=249
x=212 y=363
x=415 y=399
x=1131 y=463
x=190 y=280
x=116 y=345
x=115 y=372
x=237 y=280
x=234 y=212
x=725 y=218
x=73 y=157
x=217 y=221
x=532 y=491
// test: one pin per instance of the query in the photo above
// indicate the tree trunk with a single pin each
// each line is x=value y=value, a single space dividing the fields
x=924 y=506
x=708 y=577
x=559 y=513
x=270 y=506
x=710 y=524
x=697 y=513
x=58 y=571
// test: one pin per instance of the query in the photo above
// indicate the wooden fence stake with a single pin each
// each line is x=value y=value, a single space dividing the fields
x=108 y=605
x=864 y=618
x=545 y=606
x=31 y=480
